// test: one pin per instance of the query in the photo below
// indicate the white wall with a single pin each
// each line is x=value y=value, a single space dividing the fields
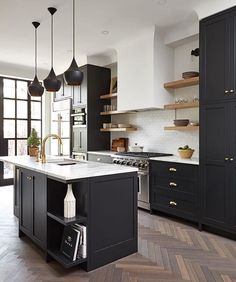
x=151 y=124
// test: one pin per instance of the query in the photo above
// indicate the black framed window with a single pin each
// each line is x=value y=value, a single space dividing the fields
x=19 y=114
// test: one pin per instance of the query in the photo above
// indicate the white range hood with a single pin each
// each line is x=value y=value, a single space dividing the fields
x=145 y=63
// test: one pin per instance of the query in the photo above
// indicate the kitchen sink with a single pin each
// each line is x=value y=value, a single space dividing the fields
x=67 y=163
x=62 y=161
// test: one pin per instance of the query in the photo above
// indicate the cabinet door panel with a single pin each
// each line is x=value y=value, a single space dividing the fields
x=39 y=209
x=215 y=58
x=214 y=187
x=26 y=201
x=79 y=141
x=214 y=133
x=233 y=56
x=232 y=198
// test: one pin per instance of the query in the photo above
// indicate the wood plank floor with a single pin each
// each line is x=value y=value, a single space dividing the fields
x=168 y=251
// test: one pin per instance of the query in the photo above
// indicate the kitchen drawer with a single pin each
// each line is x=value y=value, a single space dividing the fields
x=173 y=184
x=173 y=205
x=176 y=170
x=99 y=158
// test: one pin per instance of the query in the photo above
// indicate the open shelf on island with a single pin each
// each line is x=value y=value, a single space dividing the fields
x=182 y=106
x=182 y=83
x=67 y=221
x=108 y=96
x=67 y=263
x=182 y=128
x=118 y=129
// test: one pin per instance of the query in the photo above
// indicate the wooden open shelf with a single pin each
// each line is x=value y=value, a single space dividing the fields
x=181 y=128
x=182 y=83
x=61 y=258
x=127 y=129
x=108 y=96
x=67 y=221
x=181 y=106
x=114 y=113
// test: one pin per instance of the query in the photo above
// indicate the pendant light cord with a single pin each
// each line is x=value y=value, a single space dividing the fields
x=36 y=51
x=52 y=41
x=73 y=28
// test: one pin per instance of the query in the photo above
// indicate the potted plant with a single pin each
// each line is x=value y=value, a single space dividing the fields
x=185 y=152
x=33 y=143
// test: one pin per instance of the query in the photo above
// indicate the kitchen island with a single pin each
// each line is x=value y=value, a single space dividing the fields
x=106 y=203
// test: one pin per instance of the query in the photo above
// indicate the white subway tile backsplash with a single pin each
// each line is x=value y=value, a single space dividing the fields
x=151 y=133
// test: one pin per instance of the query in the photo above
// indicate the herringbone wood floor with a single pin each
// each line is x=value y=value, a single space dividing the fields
x=168 y=251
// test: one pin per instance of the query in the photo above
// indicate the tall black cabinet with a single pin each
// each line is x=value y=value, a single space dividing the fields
x=218 y=121
x=96 y=82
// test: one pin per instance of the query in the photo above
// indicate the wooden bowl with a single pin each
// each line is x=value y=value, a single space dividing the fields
x=186 y=154
x=181 y=122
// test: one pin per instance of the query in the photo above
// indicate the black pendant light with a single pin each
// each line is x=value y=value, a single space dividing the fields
x=35 y=88
x=73 y=76
x=52 y=83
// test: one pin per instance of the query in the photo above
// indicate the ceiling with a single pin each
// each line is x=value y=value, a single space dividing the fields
x=122 y=18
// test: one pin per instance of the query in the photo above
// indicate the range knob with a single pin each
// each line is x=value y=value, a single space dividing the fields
x=135 y=164
x=114 y=161
x=141 y=165
x=118 y=161
x=123 y=162
x=129 y=163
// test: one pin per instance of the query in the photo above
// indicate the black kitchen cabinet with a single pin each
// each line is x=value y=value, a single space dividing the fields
x=218 y=121
x=217 y=59
x=96 y=82
x=33 y=209
x=174 y=189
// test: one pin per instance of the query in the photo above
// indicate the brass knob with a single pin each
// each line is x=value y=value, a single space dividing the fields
x=172 y=203
x=29 y=177
x=231 y=159
x=173 y=184
x=231 y=91
x=226 y=91
x=226 y=159
x=172 y=169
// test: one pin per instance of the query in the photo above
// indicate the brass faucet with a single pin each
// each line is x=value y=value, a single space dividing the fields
x=43 y=155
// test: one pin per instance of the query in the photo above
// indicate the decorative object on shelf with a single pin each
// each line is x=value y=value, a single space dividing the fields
x=195 y=52
x=73 y=76
x=120 y=142
x=113 y=86
x=194 y=123
x=185 y=152
x=33 y=143
x=181 y=100
x=124 y=125
x=136 y=148
x=190 y=74
x=69 y=203
x=70 y=242
x=181 y=122
x=35 y=88
x=51 y=82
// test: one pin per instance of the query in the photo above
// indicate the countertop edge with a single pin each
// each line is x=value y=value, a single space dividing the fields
x=176 y=159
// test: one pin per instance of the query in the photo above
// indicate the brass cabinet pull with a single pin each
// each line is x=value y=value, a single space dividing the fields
x=173 y=184
x=173 y=203
x=226 y=159
x=29 y=177
x=231 y=91
x=231 y=159
x=172 y=169
x=226 y=91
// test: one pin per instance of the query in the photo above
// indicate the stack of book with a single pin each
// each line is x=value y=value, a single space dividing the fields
x=74 y=245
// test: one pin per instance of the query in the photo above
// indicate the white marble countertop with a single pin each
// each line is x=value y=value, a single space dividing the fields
x=104 y=153
x=82 y=169
x=177 y=159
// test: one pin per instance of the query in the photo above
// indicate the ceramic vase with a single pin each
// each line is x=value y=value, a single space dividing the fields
x=69 y=203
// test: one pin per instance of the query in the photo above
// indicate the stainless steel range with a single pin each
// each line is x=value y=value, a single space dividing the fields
x=141 y=161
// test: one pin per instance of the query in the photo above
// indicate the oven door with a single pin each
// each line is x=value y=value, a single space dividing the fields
x=143 y=190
